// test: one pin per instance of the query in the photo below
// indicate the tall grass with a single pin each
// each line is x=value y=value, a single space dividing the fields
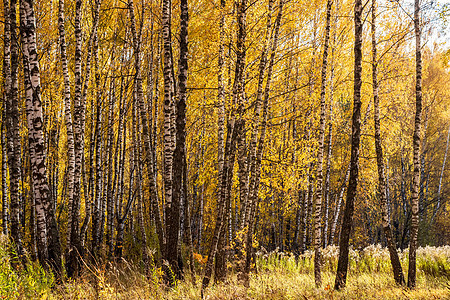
x=279 y=276
x=431 y=261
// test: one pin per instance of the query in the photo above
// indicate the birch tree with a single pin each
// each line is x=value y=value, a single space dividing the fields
x=386 y=223
x=319 y=190
x=11 y=64
x=67 y=106
x=179 y=154
x=341 y=273
x=7 y=90
x=41 y=192
x=416 y=152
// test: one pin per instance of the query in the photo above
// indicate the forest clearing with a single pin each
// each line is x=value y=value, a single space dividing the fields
x=188 y=149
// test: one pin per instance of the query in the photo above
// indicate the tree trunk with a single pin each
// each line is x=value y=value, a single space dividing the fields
x=386 y=223
x=220 y=262
x=89 y=195
x=122 y=212
x=188 y=230
x=309 y=202
x=230 y=147
x=405 y=213
x=81 y=84
x=97 y=207
x=103 y=192
x=67 y=109
x=220 y=271
x=139 y=191
x=154 y=132
x=416 y=153
x=4 y=126
x=341 y=274
x=327 y=191
x=298 y=221
x=319 y=190
x=438 y=203
x=201 y=204
x=110 y=182
x=423 y=176
x=179 y=155
x=44 y=205
x=234 y=128
x=91 y=164
x=34 y=139
x=172 y=210
x=77 y=99
x=221 y=92
x=11 y=63
x=337 y=209
x=233 y=132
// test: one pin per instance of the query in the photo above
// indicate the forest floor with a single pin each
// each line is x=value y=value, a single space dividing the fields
x=265 y=285
x=279 y=276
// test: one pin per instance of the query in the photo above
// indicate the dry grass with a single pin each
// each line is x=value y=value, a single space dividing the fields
x=279 y=276
x=273 y=283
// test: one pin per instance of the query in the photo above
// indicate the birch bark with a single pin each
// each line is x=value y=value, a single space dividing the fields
x=416 y=152
x=341 y=274
x=45 y=214
x=11 y=63
x=319 y=190
x=386 y=223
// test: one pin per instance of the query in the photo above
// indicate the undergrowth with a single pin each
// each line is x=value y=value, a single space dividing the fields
x=279 y=276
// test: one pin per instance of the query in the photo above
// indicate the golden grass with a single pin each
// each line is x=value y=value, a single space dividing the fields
x=274 y=284
x=279 y=276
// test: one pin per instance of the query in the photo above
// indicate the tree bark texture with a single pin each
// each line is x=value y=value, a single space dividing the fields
x=179 y=155
x=7 y=89
x=341 y=273
x=319 y=190
x=41 y=192
x=12 y=129
x=67 y=108
x=416 y=153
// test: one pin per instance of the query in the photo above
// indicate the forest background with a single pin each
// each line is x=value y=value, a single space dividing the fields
x=179 y=132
